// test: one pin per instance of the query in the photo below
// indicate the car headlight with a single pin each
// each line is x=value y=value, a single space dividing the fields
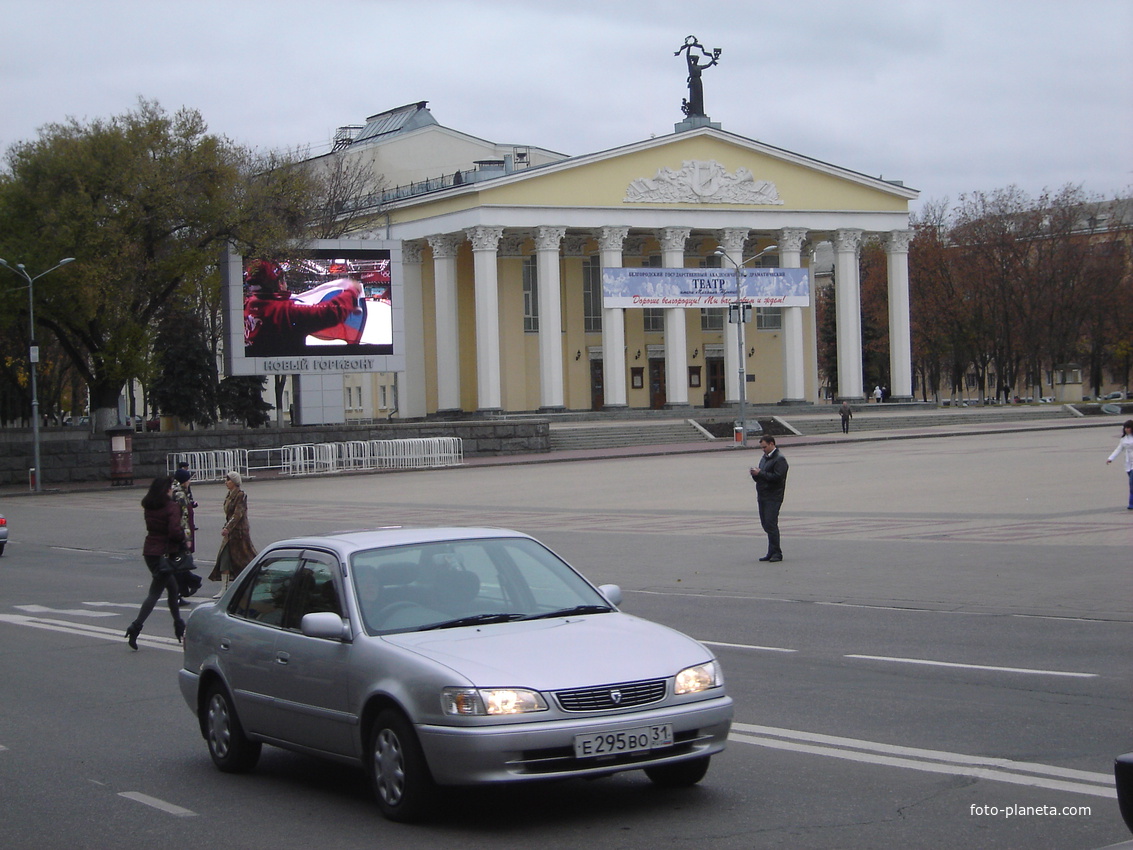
x=491 y=701
x=691 y=680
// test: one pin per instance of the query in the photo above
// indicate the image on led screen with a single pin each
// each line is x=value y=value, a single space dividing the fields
x=318 y=305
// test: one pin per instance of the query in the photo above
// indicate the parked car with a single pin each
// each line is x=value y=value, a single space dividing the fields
x=446 y=657
x=3 y=533
x=1115 y=396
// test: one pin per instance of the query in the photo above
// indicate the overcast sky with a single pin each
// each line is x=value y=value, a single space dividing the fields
x=949 y=96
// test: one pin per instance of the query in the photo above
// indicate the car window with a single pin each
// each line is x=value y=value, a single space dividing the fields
x=263 y=597
x=312 y=592
x=415 y=586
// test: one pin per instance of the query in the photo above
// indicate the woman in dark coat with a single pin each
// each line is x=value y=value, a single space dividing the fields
x=164 y=535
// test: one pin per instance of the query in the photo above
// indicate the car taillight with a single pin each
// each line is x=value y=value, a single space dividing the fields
x=3 y=521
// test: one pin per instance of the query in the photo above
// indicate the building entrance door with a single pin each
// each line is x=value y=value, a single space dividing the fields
x=657 y=384
x=597 y=394
x=714 y=394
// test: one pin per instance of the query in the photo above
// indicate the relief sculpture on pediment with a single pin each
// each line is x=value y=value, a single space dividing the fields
x=701 y=182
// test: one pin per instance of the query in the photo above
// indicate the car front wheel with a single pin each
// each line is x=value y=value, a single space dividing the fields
x=230 y=749
x=401 y=780
x=680 y=774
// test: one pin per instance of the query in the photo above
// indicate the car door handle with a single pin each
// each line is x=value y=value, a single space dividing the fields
x=282 y=657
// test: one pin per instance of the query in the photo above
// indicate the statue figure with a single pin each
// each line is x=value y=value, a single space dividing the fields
x=694 y=104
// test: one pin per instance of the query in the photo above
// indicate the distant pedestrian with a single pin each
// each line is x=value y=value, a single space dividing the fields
x=846 y=414
x=1125 y=445
x=770 y=479
x=236 y=549
x=187 y=581
x=877 y=394
x=164 y=536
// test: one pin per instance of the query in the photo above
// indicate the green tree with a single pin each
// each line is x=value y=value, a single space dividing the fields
x=145 y=202
x=241 y=398
x=186 y=381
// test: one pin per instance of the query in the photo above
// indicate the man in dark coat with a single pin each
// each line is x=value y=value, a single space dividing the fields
x=770 y=479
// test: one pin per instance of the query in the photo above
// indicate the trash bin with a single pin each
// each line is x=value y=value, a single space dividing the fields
x=121 y=456
x=738 y=432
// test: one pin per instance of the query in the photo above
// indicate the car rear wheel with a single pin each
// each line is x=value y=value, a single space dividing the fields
x=398 y=771
x=680 y=774
x=230 y=749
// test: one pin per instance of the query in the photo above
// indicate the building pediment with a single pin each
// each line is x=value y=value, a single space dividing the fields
x=702 y=182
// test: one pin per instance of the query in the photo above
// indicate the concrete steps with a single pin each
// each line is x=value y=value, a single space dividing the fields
x=868 y=421
x=566 y=438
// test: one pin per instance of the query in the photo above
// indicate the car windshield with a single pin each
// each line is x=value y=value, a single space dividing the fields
x=466 y=582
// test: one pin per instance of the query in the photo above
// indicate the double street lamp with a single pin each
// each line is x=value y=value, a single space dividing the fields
x=740 y=318
x=33 y=356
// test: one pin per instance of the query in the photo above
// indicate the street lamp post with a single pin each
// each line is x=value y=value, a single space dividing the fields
x=33 y=357
x=740 y=335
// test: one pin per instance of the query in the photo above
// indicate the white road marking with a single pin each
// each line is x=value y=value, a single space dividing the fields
x=931 y=761
x=169 y=808
x=975 y=666
x=85 y=630
x=77 y=612
x=747 y=646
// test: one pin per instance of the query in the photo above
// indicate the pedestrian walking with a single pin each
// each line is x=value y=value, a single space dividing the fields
x=236 y=549
x=846 y=414
x=164 y=536
x=770 y=479
x=1125 y=445
x=188 y=582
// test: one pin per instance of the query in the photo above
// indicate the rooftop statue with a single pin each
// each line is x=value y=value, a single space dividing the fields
x=694 y=104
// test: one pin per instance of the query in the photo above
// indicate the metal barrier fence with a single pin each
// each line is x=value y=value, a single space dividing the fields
x=323 y=458
x=210 y=465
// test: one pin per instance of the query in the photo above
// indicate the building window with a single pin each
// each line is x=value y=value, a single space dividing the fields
x=530 y=295
x=712 y=318
x=654 y=318
x=592 y=295
x=382 y=396
x=769 y=318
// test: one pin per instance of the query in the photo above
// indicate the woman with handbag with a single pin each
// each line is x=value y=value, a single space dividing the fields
x=164 y=535
x=236 y=550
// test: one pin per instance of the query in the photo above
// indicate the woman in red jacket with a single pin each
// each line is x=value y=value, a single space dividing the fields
x=164 y=535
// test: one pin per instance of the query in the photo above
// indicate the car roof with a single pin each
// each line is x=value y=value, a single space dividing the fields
x=344 y=542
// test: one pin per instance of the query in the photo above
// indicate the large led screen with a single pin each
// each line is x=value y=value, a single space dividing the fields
x=332 y=307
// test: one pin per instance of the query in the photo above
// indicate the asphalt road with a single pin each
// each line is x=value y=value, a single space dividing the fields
x=942 y=659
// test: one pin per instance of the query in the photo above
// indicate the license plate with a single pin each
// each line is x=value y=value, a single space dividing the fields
x=623 y=741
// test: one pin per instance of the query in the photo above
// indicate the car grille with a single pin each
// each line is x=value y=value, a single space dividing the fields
x=605 y=697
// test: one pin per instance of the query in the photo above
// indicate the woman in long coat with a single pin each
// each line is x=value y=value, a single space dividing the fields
x=236 y=550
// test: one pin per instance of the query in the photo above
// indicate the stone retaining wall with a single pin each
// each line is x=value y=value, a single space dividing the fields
x=73 y=454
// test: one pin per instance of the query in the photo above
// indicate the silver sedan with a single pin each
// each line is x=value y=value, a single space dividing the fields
x=446 y=657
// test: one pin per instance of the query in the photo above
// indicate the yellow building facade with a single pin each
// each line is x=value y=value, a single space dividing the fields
x=502 y=262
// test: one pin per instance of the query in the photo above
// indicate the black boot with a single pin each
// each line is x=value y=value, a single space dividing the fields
x=132 y=633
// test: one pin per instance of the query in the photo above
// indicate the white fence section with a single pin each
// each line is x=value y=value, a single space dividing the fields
x=323 y=458
x=210 y=465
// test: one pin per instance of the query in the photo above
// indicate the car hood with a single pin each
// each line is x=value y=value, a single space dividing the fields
x=564 y=652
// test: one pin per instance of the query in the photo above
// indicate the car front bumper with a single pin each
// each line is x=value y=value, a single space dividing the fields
x=468 y=755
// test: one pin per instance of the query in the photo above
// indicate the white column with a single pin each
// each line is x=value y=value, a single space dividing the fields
x=900 y=335
x=485 y=241
x=676 y=341
x=848 y=313
x=411 y=383
x=444 y=248
x=610 y=241
x=794 y=379
x=732 y=240
x=547 y=241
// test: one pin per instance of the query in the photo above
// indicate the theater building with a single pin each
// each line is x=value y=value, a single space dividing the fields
x=503 y=248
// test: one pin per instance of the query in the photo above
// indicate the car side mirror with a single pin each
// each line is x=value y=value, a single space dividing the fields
x=325 y=624
x=612 y=592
